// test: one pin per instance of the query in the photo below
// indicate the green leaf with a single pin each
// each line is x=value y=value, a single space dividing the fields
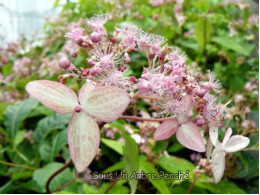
x=41 y=176
x=223 y=187
x=15 y=114
x=115 y=145
x=19 y=138
x=233 y=44
x=116 y=189
x=202 y=31
x=48 y=124
x=174 y=164
x=49 y=151
x=159 y=184
x=118 y=166
x=89 y=189
x=131 y=156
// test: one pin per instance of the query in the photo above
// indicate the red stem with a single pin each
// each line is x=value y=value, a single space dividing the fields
x=136 y=118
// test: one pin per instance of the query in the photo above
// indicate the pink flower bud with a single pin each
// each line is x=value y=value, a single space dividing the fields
x=133 y=79
x=113 y=40
x=77 y=109
x=127 y=59
x=65 y=63
x=91 y=62
x=74 y=54
x=151 y=56
x=200 y=122
x=95 y=37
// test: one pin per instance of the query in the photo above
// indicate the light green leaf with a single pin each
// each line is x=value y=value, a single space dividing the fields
x=115 y=145
x=15 y=114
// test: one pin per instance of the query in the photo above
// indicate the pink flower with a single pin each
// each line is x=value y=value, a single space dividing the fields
x=103 y=103
x=229 y=144
x=212 y=84
x=97 y=23
x=75 y=35
x=128 y=35
x=187 y=132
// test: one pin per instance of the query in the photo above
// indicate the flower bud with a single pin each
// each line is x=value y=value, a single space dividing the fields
x=113 y=40
x=200 y=122
x=65 y=63
x=91 y=62
x=127 y=59
x=95 y=37
x=133 y=79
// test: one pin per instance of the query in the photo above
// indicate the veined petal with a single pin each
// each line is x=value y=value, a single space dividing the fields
x=83 y=139
x=213 y=133
x=227 y=136
x=188 y=134
x=54 y=95
x=84 y=92
x=166 y=129
x=218 y=163
x=106 y=103
x=236 y=143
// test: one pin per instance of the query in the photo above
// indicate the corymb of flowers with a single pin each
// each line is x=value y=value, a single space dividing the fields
x=187 y=104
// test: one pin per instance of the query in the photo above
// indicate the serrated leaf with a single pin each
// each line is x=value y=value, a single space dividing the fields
x=15 y=114
x=48 y=124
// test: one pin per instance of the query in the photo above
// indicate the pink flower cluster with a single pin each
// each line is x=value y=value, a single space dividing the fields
x=189 y=101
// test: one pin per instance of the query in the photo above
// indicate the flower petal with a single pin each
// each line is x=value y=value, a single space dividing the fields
x=83 y=139
x=106 y=103
x=165 y=130
x=218 y=163
x=188 y=134
x=84 y=92
x=186 y=105
x=213 y=133
x=228 y=133
x=54 y=95
x=236 y=143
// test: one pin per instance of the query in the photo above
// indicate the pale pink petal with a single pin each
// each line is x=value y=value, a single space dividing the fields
x=106 y=103
x=83 y=140
x=188 y=134
x=227 y=136
x=236 y=143
x=218 y=163
x=213 y=133
x=165 y=130
x=186 y=104
x=84 y=92
x=54 y=95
